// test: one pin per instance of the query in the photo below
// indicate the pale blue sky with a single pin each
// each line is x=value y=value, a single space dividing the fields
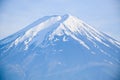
x=101 y=14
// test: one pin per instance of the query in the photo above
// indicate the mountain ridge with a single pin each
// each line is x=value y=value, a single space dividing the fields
x=63 y=21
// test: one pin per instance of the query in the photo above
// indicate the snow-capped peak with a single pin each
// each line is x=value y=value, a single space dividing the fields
x=60 y=25
x=73 y=26
x=32 y=32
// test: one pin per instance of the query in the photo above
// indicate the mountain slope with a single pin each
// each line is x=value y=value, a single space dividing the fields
x=59 y=48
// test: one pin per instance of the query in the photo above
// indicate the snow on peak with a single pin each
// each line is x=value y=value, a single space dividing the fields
x=72 y=26
x=66 y=24
x=32 y=32
x=69 y=26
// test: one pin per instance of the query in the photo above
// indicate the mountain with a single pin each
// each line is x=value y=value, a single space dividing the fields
x=59 y=48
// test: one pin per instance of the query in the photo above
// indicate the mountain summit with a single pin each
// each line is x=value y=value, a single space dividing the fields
x=59 y=48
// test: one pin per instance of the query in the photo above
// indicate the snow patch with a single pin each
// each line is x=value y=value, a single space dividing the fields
x=58 y=32
x=65 y=39
x=116 y=43
x=108 y=61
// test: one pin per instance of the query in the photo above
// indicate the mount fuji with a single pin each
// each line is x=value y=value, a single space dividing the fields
x=59 y=48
